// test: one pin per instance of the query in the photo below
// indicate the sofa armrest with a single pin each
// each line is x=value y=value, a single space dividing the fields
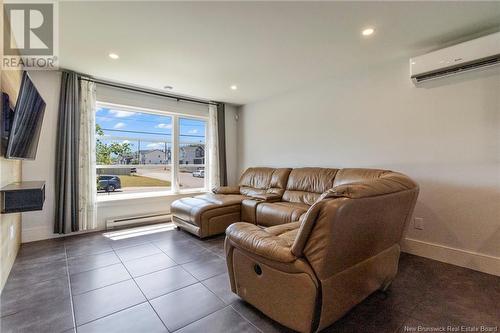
x=269 y=197
x=249 y=206
x=256 y=240
x=249 y=210
x=226 y=190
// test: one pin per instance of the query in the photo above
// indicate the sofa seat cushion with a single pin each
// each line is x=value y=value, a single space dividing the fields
x=275 y=213
x=191 y=210
x=273 y=243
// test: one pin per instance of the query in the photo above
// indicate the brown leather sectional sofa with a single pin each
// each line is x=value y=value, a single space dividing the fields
x=314 y=242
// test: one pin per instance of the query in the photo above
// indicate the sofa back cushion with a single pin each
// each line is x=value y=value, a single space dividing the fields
x=305 y=185
x=264 y=180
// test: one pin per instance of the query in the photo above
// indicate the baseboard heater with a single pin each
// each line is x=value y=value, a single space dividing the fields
x=120 y=222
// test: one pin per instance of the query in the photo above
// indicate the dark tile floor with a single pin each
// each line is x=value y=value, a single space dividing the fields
x=171 y=281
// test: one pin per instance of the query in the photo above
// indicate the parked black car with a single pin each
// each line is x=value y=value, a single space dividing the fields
x=108 y=183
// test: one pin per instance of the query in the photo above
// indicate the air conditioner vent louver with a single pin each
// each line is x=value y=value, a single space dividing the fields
x=458 y=69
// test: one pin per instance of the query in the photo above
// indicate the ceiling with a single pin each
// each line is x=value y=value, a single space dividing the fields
x=265 y=48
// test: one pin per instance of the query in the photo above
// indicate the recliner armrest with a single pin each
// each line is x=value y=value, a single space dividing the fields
x=249 y=206
x=270 y=197
x=226 y=190
x=256 y=240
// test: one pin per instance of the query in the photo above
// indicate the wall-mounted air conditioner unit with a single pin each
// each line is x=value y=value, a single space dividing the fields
x=464 y=57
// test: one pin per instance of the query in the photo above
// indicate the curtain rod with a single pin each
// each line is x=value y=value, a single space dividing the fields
x=103 y=82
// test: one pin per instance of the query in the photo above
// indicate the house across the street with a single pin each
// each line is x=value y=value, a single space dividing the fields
x=155 y=156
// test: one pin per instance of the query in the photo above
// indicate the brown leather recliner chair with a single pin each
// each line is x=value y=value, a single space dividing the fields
x=308 y=274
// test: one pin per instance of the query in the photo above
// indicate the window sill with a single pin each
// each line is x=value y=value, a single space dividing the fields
x=145 y=195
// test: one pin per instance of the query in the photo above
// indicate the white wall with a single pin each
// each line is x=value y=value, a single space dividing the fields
x=39 y=225
x=445 y=135
x=233 y=174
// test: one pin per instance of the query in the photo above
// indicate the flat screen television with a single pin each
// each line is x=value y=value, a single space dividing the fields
x=25 y=122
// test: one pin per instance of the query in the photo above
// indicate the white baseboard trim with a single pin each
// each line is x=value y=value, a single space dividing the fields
x=43 y=233
x=468 y=259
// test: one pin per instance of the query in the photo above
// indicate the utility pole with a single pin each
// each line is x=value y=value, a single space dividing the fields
x=139 y=150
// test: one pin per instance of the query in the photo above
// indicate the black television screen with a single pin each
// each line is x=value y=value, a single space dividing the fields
x=27 y=122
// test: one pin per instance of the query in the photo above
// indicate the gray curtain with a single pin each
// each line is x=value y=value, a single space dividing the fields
x=66 y=171
x=221 y=132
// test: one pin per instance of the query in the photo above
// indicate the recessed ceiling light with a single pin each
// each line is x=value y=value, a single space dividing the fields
x=114 y=56
x=368 y=32
x=234 y=87
x=168 y=87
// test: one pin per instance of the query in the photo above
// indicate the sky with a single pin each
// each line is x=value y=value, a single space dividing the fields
x=121 y=126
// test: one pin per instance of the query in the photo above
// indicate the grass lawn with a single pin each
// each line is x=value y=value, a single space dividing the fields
x=140 y=181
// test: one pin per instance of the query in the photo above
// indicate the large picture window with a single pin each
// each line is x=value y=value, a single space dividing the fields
x=135 y=151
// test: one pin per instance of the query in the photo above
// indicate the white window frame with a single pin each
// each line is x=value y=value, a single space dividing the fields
x=174 y=187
